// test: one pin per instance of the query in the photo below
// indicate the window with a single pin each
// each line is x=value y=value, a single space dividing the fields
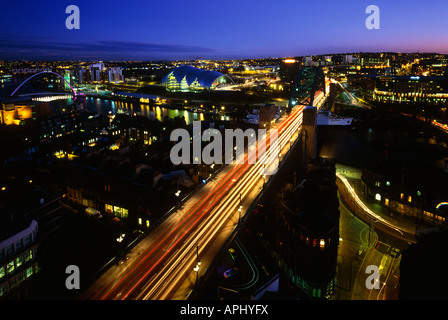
x=322 y=243
x=109 y=208
x=20 y=277
x=388 y=183
x=378 y=197
x=10 y=267
x=147 y=223
x=140 y=221
x=28 y=239
x=2 y=290
x=402 y=196
x=9 y=250
x=378 y=183
x=19 y=244
x=29 y=271
x=12 y=283
x=2 y=272
x=29 y=256
x=386 y=202
x=19 y=261
x=121 y=212
x=409 y=199
x=118 y=211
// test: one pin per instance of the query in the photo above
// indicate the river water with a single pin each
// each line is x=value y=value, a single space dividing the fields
x=367 y=145
x=104 y=106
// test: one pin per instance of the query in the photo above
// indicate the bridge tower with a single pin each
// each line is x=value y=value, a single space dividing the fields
x=309 y=133
x=309 y=81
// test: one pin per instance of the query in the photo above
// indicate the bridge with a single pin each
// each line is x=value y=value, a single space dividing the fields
x=45 y=94
x=169 y=261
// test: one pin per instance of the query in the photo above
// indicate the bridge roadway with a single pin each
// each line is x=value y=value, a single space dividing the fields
x=161 y=266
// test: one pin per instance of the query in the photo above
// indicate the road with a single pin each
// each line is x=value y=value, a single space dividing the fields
x=383 y=250
x=161 y=266
x=374 y=219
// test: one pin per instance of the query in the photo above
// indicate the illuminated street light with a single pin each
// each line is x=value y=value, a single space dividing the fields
x=120 y=239
x=198 y=263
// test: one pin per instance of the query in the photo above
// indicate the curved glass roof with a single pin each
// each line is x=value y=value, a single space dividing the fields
x=204 y=77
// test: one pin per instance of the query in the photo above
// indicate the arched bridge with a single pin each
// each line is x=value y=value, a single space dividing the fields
x=309 y=82
x=34 y=75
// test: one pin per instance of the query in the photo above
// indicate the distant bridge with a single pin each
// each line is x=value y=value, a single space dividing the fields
x=34 y=75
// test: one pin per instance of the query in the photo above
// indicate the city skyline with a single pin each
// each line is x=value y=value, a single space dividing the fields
x=253 y=29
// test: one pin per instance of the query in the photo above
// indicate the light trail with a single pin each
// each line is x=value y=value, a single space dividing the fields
x=164 y=265
x=367 y=209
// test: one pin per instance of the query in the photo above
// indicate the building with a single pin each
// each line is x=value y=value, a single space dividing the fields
x=414 y=192
x=82 y=75
x=18 y=255
x=289 y=69
x=96 y=72
x=116 y=75
x=406 y=89
x=16 y=114
x=302 y=231
x=190 y=79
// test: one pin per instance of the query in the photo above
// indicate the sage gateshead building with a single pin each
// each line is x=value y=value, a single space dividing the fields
x=190 y=79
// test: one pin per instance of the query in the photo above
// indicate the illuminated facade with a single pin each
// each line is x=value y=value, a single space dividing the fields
x=17 y=257
x=407 y=89
x=407 y=192
x=191 y=79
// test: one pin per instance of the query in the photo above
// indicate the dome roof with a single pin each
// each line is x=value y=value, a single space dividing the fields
x=204 y=77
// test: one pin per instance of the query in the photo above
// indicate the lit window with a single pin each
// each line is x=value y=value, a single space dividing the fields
x=109 y=208
x=29 y=271
x=147 y=223
x=386 y=202
x=378 y=197
x=121 y=212
x=10 y=267
x=140 y=221
x=322 y=243
x=409 y=199
x=402 y=196
x=388 y=183
x=29 y=256
x=19 y=261
x=2 y=272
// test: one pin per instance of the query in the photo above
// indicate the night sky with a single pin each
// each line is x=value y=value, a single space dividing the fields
x=217 y=29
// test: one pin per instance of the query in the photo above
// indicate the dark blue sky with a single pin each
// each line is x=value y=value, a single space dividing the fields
x=217 y=29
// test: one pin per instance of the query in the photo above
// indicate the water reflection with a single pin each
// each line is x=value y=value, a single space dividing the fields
x=152 y=112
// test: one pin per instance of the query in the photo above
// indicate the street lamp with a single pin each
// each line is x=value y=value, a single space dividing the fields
x=177 y=194
x=198 y=263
